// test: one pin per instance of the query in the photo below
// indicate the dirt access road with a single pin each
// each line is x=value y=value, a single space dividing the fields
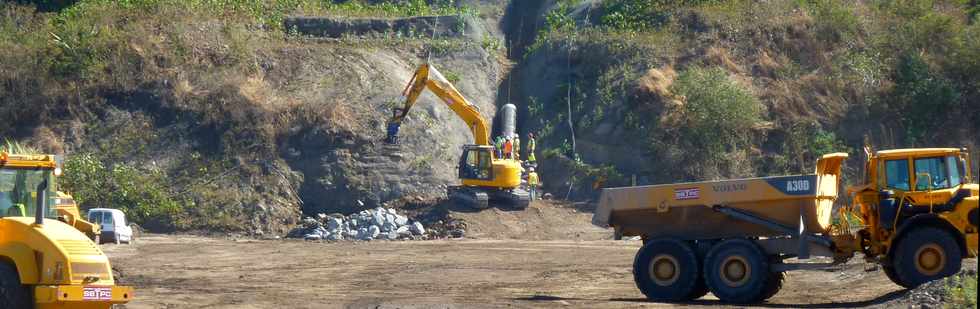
x=546 y=256
x=197 y=272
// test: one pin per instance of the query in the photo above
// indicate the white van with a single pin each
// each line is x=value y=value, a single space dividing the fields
x=113 y=223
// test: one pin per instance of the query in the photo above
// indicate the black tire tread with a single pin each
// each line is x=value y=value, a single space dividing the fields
x=754 y=293
x=700 y=289
x=890 y=273
x=686 y=290
x=909 y=243
x=773 y=286
x=12 y=293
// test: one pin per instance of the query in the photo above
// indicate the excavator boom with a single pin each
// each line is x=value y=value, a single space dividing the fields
x=426 y=76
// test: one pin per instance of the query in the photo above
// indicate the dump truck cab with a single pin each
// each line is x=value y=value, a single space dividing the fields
x=917 y=197
x=44 y=262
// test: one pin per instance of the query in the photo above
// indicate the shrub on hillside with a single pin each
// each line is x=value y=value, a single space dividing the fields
x=803 y=144
x=923 y=98
x=141 y=193
x=640 y=15
x=834 y=19
x=718 y=114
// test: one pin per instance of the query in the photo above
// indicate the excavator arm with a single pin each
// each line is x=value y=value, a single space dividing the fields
x=426 y=76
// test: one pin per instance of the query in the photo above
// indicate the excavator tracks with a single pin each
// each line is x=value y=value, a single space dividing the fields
x=480 y=198
x=469 y=196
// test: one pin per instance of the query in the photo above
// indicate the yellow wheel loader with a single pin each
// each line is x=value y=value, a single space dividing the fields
x=44 y=262
x=485 y=178
x=915 y=214
x=69 y=213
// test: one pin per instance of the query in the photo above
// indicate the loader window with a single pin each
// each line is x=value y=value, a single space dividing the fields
x=936 y=168
x=955 y=171
x=18 y=190
x=897 y=173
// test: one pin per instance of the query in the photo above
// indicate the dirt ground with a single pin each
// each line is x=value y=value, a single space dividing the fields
x=497 y=269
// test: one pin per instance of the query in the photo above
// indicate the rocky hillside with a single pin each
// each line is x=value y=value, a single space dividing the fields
x=197 y=115
x=242 y=115
x=671 y=91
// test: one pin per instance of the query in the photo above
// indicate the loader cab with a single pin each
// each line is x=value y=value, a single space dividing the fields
x=476 y=162
x=18 y=191
x=924 y=176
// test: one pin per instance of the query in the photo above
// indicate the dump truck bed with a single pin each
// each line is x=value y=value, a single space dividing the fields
x=687 y=210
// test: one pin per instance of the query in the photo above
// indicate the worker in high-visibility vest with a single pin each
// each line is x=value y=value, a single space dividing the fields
x=499 y=145
x=517 y=147
x=508 y=148
x=532 y=183
x=530 y=149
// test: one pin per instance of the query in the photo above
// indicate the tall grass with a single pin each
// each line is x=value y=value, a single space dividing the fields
x=15 y=147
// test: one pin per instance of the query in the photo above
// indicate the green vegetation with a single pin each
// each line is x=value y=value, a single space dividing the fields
x=803 y=145
x=642 y=15
x=718 y=114
x=491 y=44
x=763 y=88
x=451 y=76
x=922 y=97
x=835 y=20
x=143 y=194
x=961 y=291
x=137 y=82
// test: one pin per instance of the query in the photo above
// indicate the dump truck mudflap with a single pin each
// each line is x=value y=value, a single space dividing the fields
x=81 y=296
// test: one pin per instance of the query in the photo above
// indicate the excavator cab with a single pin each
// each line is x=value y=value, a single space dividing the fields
x=476 y=162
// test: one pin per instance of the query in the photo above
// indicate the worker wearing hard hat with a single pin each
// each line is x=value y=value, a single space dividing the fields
x=532 y=183
x=517 y=147
x=530 y=149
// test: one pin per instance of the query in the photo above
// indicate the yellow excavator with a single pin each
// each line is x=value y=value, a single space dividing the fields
x=485 y=178
x=44 y=262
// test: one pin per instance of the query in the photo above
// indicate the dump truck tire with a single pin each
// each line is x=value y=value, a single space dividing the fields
x=700 y=289
x=774 y=285
x=737 y=271
x=12 y=293
x=890 y=273
x=926 y=254
x=666 y=270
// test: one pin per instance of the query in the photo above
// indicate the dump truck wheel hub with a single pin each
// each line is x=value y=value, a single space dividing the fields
x=735 y=271
x=664 y=270
x=930 y=259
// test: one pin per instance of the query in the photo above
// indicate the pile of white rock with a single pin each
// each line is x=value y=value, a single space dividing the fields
x=378 y=223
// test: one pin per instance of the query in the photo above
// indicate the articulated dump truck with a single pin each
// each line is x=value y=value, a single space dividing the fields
x=44 y=262
x=914 y=214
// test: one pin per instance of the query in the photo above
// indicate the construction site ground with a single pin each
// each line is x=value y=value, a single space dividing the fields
x=570 y=263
